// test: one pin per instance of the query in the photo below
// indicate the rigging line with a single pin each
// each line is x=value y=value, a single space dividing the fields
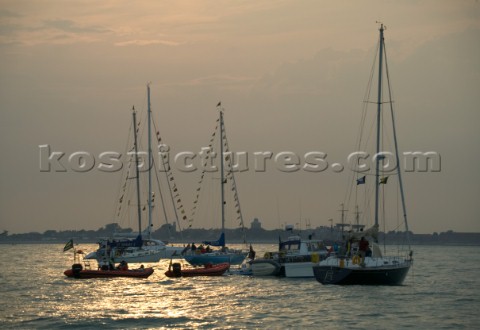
x=234 y=185
x=211 y=210
x=141 y=128
x=397 y=213
x=371 y=174
x=373 y=102
x=124 y=170
x=160 y=192
x=206 y=205
x=357 y=174
x=368 y=192
x=366 y=97
x=360 y=132
x=356 y=200
x=196 y=204
x=137 y=173
x=400 y=182
x=384 y=221
x=366 y=205
x=195 y=207
x=126 y=191
x=166 y=169
x=145 y=113
x=385 y=138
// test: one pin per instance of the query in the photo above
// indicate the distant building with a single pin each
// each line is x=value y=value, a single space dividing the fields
x=171 y=228
x=255 y=225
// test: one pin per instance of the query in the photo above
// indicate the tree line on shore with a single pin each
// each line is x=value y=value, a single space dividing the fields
x=168 y=233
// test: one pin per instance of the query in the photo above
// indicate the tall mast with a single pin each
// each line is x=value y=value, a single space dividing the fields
x=222 y=179
x=379 y=109
x=149 y=164
x=137 y=171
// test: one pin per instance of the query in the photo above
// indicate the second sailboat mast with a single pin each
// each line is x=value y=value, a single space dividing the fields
x=222 y=179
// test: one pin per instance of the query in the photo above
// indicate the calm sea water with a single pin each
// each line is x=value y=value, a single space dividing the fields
x=442 y=291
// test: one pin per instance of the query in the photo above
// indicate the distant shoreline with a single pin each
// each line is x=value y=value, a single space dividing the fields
x=237 y=243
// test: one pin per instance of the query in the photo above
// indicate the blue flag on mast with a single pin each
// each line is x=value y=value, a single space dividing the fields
x=361 y=180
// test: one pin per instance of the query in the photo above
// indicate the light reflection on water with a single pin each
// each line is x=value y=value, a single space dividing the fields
x=441 y=290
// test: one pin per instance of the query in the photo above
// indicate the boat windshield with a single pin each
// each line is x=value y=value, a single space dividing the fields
x=290 y=246
x=315 y=246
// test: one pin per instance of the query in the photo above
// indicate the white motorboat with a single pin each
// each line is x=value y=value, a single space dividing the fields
x=295 y=258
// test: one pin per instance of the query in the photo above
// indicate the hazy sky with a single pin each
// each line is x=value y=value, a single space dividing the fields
x=290 y=74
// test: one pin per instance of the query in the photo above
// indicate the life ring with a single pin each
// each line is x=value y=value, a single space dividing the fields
x=356 y=259
x=267 y=255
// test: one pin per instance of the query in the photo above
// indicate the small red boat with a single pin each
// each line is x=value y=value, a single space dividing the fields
x=77 y=271
x=176 y=270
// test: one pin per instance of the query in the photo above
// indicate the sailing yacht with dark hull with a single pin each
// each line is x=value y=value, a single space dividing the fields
x=370 y=266
x=375 y=271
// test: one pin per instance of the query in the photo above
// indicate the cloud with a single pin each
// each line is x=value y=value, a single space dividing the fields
x=51 y=31
x=71 y=26
x=318 y=75
x=147 y=42
x=220 y=80
x=4 y=13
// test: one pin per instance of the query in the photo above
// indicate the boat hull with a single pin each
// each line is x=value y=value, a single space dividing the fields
x=361 y=276
x=91 y=273
x=299 y=269
x=140 y=256
x=293 y=265
x=215 y=270
x=265 y=267
x=216 y=258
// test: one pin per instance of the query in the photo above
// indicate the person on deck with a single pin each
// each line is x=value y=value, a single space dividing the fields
x=363 y=247
x=251 y=253
x=103 y=265
x=123 y=265
x=185 y=250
